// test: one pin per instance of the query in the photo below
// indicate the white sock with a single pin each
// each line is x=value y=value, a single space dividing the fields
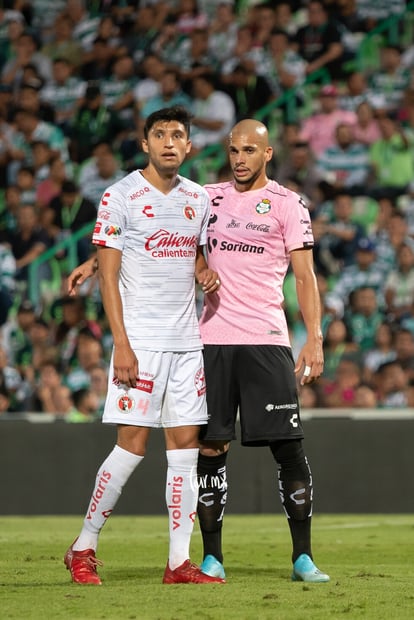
x=111 y=477
x=181 y=495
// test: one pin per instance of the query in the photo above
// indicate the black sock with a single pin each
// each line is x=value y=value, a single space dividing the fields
x=296 y=493
x=212 y=483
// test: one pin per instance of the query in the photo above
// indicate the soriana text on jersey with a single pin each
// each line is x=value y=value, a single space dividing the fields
x=164 y=244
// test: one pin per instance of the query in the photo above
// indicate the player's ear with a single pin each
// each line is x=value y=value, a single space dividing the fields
x=269 y=153
x=144 y=144
x=189 y=146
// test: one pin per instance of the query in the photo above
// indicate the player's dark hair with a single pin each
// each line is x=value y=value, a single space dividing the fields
x=174 y=113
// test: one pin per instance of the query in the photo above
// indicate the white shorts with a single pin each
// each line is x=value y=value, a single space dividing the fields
x=171 y=391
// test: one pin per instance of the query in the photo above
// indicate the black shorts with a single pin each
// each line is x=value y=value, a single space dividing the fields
x=259 y=383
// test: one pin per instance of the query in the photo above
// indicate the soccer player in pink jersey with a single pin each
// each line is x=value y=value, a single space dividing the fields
x=150 y=232
x=257 y=228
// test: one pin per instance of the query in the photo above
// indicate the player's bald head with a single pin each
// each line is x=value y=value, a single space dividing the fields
x=252 y=131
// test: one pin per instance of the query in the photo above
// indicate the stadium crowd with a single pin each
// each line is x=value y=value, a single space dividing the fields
x=77 y=81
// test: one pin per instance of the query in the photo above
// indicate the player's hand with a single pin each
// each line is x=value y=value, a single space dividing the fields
x=309 y=365
x=125 y=366
x=209 y=281
x=80 y=274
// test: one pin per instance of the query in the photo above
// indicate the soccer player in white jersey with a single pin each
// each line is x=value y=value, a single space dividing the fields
x=150 y=232
x=257 y=228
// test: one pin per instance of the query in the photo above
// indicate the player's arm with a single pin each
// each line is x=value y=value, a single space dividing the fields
x=81 y=273
x=125 y=361
x=207 y=278
x=310 y=358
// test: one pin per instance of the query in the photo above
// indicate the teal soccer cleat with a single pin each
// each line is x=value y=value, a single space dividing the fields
x=212 y=567
x=305 y=570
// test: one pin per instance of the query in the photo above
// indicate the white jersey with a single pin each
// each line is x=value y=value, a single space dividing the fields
x=158 y=236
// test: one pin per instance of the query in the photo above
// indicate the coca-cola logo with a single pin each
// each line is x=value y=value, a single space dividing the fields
x=259 y=227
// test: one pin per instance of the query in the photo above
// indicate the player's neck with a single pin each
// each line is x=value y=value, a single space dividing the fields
x=162 y=181
x=252 y=185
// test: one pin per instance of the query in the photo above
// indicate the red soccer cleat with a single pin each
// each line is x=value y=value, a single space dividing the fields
x=82 y=566
x=188 y=573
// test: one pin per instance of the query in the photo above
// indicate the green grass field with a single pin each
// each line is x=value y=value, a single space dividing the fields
x=369 y=559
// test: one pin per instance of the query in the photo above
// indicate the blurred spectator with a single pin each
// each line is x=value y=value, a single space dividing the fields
x=67 y=213
x=7 y=275
x=62 y=45
x=143 y=33
x=195 y=59
x=27 y=52
x=88 y=355
x=12 y=25
x=392 y=386
x=99 y=384
x=190 y=17
x=365 y=397
x=249 y=91
x=336 y=236
x=404 y=349
x=42 y=156
x=25 y=181
x=13 y=385
x=383 y=351
x=341 y=390
x=389 y=82
x=171 y=94
x=85 y=25
x=93 y=123
x=70 y=317
x=31 y=129
x=399 y=285
x=214 y=113
x=99 y=60
x=298 y=165
x=319 y=128
x=319 y=42
x=117 y=90
x=64 y=92
x=15 y=335
x=28 y=241
x=4 y=400
x=105 y=171
x=392 y=160
x=356 y=91
x=167 y=44
x=150 y=72
x=280 y=65
x=366 y=129
x=42 y=345
x=364 y=272
x=45 y=396
x=51 y=186
x=337 y=345
x=85 y=406
x=344 y=166
x=363 y=317
x=262 y=20
x=242 y=52
x=223 y=31
x=29 y=98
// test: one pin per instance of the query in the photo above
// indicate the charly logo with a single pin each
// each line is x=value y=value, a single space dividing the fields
x=200 y=382
x=263 y=207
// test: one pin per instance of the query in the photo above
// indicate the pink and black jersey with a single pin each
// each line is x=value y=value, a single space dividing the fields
x=158 y=236
x=250 y=236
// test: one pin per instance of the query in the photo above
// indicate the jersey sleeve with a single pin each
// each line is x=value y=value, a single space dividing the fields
x=111 y=223
x=297 y=224
x=205 y=220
